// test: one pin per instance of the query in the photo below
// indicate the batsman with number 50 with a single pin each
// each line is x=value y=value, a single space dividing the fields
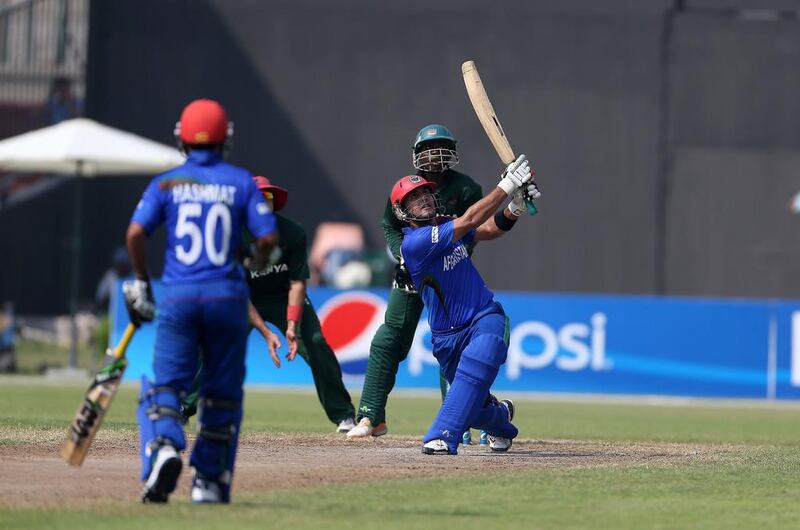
x=204 y=205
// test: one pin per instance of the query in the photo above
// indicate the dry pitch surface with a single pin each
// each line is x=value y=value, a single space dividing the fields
x=34 y=474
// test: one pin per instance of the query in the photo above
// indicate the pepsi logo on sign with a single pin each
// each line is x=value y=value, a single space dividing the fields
x=349 y=322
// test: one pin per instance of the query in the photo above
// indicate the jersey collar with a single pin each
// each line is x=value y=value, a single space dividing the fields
x=204 y=157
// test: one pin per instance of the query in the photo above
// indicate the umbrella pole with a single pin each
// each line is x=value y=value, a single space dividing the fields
x=75 y=266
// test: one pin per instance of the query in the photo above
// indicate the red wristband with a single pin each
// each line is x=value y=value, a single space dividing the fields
x=294 y=312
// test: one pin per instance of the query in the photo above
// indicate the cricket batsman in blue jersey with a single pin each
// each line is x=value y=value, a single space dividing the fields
x=204 y=204
x=469 y=329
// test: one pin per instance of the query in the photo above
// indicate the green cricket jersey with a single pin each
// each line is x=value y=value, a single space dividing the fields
x=272 y=282
x=457 y=192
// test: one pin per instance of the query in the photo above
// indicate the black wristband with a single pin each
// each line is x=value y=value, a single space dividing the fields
x=503 y=223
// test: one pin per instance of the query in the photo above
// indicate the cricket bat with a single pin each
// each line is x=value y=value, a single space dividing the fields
x=488 y=118
x=96 y=403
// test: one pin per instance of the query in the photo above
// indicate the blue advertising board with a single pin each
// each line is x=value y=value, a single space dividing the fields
x=637 y=345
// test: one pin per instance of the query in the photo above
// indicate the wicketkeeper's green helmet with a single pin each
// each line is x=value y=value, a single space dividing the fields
x=433 y=131
x=437 y=157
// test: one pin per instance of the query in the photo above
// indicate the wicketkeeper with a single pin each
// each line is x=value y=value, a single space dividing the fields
x=433 y=155
x=470 y=329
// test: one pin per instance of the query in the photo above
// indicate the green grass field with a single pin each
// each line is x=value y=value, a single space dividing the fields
x=750 y=476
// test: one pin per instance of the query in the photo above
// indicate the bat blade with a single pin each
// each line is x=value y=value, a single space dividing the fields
x=488 y=118
x=485 y=112
x=95 y=404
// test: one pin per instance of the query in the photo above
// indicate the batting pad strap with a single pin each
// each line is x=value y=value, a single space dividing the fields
x=221 y=434
x=154 y=390
x=158 y=443
x=503 y=223
x=162 y=402
x=156 y=412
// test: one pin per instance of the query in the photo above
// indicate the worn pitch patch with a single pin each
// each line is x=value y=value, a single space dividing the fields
x=35 y=475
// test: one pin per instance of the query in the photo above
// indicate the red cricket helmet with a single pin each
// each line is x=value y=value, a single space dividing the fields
x=402 y=188
x=279 y=195
x=203 y=122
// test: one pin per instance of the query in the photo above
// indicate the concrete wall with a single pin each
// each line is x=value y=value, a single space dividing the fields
x=327 y=101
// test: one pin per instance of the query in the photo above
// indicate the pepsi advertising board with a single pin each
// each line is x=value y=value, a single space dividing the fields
x=562 y=343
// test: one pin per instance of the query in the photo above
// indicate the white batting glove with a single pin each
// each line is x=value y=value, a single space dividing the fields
x=531 y=191
x=515 y=176
x=517 y=205
x=139 y=299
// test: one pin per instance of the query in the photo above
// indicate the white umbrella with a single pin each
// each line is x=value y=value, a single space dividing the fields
x=84 y=148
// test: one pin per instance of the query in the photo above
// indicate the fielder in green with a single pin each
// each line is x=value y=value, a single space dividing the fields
x=278 y=296
x=434 y=155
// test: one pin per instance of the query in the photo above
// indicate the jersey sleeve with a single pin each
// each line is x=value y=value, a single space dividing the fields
x=475 y=194
x=260 y=219
x=298 y=262
x=150 y=211
x=392 y=230
x=424 y=243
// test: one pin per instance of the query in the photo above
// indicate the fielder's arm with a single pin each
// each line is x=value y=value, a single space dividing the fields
x=272 y=340
x=294 y=312
x=266 y=251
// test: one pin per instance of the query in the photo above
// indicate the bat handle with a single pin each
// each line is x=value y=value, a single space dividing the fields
x=119 y=351
x=529 y=203
x=531 y=207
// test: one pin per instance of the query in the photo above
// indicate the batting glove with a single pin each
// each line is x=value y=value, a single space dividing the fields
x=517 y=205
x=402 y=278
x=515 y=176
x=531 y=191
x=139 y=300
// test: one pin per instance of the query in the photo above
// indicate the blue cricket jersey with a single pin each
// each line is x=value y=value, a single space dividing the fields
x=204 y=204
x=443 y=273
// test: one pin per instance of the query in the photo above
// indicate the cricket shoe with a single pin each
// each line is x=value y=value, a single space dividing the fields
x=164 y=475
x=205 y=492
x=499 y=444
x=346 y=425
x=364 y=429
x=484 y=439
x=436 y=447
